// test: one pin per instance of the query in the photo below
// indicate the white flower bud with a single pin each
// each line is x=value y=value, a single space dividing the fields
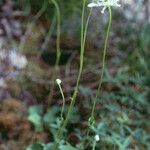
x=58 y=81
x=96 y=138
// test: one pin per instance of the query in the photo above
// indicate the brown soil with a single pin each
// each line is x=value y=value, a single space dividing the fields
x=16 y=131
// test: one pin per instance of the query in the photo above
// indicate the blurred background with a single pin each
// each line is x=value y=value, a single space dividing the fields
x=28 y=36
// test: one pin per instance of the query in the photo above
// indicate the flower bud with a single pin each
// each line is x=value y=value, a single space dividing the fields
x=96 y=138
x=58 y=81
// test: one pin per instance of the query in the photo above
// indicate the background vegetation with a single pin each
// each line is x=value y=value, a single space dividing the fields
x=27 y=121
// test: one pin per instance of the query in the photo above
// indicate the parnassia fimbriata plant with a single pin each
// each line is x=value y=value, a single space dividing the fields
x=74 y=96
x=106 y=4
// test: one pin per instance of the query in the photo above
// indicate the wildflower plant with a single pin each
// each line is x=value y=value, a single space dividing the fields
x=106 y=4
x=74 y=96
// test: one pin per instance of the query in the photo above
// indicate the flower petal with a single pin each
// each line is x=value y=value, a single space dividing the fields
x=94 y=5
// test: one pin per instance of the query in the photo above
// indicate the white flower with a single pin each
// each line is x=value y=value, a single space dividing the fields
x=96 y=138
x=17 y=60
x=104 y=4
x=58 y=81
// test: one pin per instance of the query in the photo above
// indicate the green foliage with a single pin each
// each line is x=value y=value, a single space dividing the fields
x=122 y=111
x=118 y=127
x=39 y=120
x=36 y=147
x=121 y=117
x=145 y=37
x=67 y=147
x=41 y=146
x=35 y=117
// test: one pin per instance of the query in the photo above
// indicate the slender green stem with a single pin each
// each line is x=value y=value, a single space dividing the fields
x=58 y=33
x=94 y=145
x=83 y=38
x=91 y=119
x=86 y=26
x=103 y=61
x=73 y=99
x=63 y=97
x=58 y=52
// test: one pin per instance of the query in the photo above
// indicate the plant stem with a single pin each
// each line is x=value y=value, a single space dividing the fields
x=73 y=99
x=103 y=61
x=63 y=97
x=58 y=33
x=101 y=76
x=94 y=145
x=58 y=52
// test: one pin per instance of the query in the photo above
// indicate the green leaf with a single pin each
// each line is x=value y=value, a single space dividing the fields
x=67 y=147
x=49 y=117
x=38 y=109
x=48 y=146
x=51 y=114
x=127 y=142
x=36 y=120
x=36 y=146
